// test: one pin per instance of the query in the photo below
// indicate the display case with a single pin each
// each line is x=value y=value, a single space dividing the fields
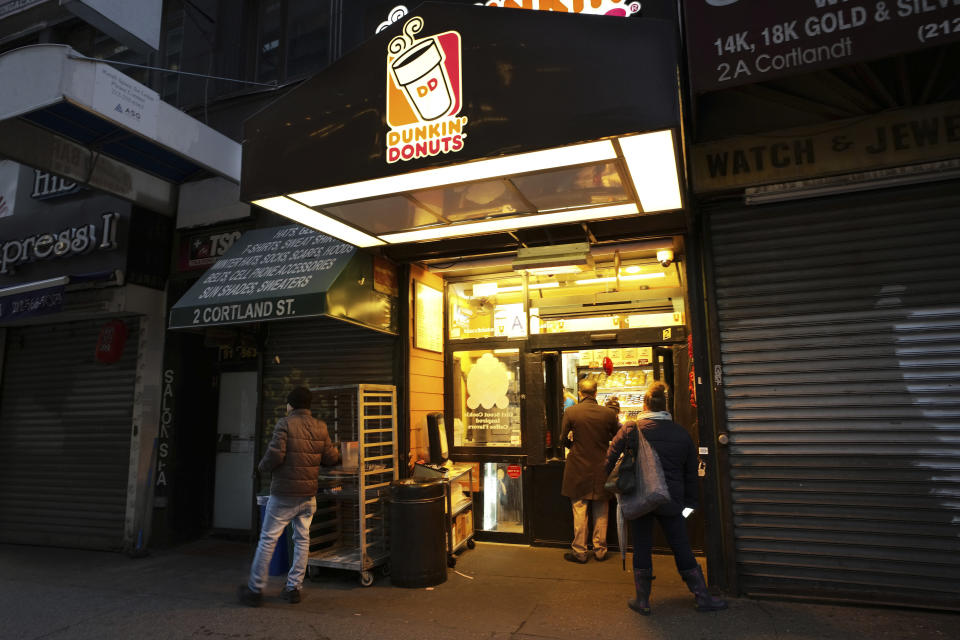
x=627 y=384
x=350 y=527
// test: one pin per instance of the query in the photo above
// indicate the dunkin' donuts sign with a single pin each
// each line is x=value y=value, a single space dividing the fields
x=424 y=94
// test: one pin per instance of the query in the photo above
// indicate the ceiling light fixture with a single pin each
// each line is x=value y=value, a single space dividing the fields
x=542 y=285
x=652 y=162
x=639 y=276
x=554 y=259
x=573 y=155
x=316 y=220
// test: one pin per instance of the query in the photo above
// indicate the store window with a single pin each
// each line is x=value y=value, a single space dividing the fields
x=613 y=295
x=486 y=398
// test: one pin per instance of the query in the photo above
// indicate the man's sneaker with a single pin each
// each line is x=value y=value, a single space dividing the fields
x=600 y=558
x=248 y=597
x=572 y=557
x=290 y=595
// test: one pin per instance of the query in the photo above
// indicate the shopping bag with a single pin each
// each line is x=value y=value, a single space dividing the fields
x=651 y=487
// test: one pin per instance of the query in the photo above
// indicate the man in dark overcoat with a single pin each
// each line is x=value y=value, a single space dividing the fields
x=587 y=429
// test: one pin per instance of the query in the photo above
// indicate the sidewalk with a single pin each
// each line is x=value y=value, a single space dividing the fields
x=497 y=592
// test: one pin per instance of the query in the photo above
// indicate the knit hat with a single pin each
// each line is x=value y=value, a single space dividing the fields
x=613 y=403
x=300 y=398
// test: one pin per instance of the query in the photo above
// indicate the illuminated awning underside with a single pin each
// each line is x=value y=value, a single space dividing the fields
x=555 y=133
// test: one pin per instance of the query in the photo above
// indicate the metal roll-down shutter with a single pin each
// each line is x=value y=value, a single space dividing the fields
x=322 y=352
x=65 y=422
x=839 y=325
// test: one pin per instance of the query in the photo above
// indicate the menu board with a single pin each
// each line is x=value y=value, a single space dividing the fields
x=428 y=318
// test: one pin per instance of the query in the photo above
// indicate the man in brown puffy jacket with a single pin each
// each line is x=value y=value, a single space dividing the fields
x=300 y=444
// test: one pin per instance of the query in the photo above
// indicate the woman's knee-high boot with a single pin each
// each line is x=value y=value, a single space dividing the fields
x=641 y=580
x=698 y=587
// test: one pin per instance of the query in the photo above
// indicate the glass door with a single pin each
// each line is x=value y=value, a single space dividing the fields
x=485 y=406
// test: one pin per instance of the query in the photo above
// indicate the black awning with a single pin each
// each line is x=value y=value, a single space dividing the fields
x=519 y=81
x=283 y=273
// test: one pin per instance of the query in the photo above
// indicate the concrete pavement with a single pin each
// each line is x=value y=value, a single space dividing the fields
x=497 y=592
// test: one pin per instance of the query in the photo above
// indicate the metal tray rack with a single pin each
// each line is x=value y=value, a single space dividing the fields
x=350 y=529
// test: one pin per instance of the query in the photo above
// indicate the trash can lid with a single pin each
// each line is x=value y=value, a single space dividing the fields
x=410 y=489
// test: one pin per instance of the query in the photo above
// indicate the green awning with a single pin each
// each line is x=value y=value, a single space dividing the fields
x=286 y=273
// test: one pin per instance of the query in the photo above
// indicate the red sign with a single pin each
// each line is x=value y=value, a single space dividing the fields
x=110 y=342
x=513 y=470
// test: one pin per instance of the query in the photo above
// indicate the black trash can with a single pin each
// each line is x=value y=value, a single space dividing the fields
x=418 y=544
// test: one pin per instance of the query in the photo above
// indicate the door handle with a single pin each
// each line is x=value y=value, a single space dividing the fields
x=723 y=439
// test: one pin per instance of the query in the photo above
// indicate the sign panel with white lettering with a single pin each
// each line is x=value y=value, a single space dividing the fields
x=891 y=139
x=126 y=101
x=736 y=42
x=269 y=274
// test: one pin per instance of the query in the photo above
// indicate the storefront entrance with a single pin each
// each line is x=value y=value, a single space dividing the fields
x=518 y=344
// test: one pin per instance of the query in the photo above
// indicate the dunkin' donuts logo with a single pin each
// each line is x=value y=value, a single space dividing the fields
x=424 y=94
x=622 y=8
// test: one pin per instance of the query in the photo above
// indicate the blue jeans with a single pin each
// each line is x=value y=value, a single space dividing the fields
x=280 y=511
x=674 y=529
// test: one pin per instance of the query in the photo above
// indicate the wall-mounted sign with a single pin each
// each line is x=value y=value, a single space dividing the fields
x=200 y=250
x=32 y=302
x=736 y=43
x=47 y=185
x=622 y=8
x=111 y=341
x=424 y=94
x=890 y=139
x=428 y=318
x=385 y=278
x=59 y=243
x=128 y=103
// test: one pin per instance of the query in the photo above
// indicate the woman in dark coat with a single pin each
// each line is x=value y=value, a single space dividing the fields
x=678 y=457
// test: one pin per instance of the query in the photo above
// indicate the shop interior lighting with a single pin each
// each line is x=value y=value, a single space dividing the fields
x=577 y=154
x=639 y=276
x=541 y=285
x=316 y=220
x=554 y=259
x=652 y=163
x=512 y=224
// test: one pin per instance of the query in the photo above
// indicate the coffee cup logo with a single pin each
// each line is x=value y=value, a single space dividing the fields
x=423 y=94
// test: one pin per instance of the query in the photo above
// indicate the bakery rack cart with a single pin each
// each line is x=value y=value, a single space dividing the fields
x=350 y=528
x=458 y=482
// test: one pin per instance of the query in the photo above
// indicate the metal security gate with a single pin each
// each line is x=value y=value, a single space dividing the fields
x=65 y=422
x=321 y=352
x=839 y=332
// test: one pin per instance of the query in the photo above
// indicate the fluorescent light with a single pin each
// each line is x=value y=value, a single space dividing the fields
x=484 y=289
x=543 y=285
x=639 y=276
x=632 y=269
x=653 y=168
x=557 y=270
x=511 y=224
x=316 y=220
x=587 y=153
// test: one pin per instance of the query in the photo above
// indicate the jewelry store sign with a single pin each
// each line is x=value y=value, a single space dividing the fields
x=892 y=139
x=736 y=42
